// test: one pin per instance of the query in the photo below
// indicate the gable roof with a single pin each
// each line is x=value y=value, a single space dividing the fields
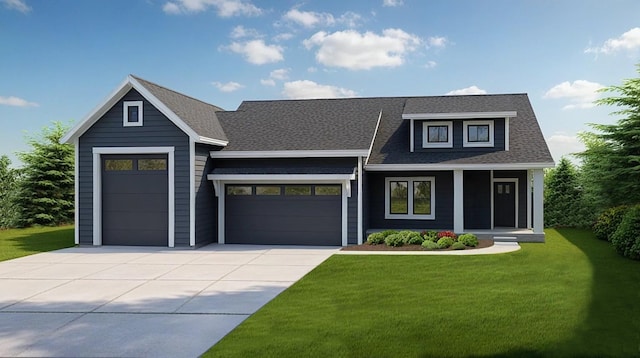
x=194 y=117
x=526 y=142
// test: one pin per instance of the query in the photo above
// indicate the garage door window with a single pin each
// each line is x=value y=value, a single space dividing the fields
x=297 y=190
x=237 y=190
x=268 y=190
x=328 y=190
x=152 y=164
x=118 y=164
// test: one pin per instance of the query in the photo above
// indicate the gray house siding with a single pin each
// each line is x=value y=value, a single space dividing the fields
x=352 y=214
x=477 y=199
x=206 y=201
x=521 y=175
x=443 y=208
x=458 y=138
x=157 y=131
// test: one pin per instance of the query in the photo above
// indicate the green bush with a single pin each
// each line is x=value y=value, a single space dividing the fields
x=458 y=246
x=411 y=237
x=431 y=236
x=394 y=240
x=626 y=239
x=470 y=240
x=445 y=242
x=608 y=222
x=389 y=232
x=375 y=238
x=429 y=245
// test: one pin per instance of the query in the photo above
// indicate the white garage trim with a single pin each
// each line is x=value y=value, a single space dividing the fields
x=220 y=180
x=97 y=186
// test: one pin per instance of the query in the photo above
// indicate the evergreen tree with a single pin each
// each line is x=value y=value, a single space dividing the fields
x=46 y=195
x=563 y=197
x=8 y=185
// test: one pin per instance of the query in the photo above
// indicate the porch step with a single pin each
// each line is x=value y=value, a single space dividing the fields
x=505 y=238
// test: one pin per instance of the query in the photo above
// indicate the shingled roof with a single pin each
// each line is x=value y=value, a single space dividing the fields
x=198 y=115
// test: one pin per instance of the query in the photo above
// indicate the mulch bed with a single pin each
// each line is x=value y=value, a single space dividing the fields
x=366 y=247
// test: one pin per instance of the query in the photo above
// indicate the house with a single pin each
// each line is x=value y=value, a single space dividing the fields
x=156 y=167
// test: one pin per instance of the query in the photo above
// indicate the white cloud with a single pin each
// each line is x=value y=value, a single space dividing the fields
x=466 y=91
x=628 y=41
x=561 y=145
x=392 y=3
x=241 y=31
x=430 y=64
x=362 y=51
x=18 y=5
x=267 y=82
x=225 y=8
x=437 y=41
x=309 y=18
x=580 y=93
x=310 y=89
x=280 y=74
x=283 y=36
x=350 y=19
x=257 y=52
x=16 y=102
x=228 y=87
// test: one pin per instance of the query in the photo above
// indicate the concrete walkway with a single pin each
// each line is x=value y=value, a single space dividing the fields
x=140 y=302
x=497 y=248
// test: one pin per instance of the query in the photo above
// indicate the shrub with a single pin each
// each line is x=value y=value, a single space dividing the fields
x=470 y=240
x=389 y=232
x=375 y=238
x=413 y=238
x=445 y=241
x=429 y=245
x=458 y=246
x=608 y=222
x=394 y=240
x=450 y=234
x=431 y=236
x=626 y=239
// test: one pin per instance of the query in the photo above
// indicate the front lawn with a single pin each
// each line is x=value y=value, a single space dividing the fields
x=573 y=296
x=22 y=242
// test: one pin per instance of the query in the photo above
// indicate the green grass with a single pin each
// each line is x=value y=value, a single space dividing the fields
x=22 y=242
x=573 y=296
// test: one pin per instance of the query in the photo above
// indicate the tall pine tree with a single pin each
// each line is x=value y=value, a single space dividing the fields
x=46 y=193
x=563 y=197
x=8 y=185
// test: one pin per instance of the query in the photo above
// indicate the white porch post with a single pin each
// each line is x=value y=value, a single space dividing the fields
x=538 y=202
x=458 y=201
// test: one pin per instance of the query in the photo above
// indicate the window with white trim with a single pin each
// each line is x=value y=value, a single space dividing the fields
x=132 y=113
x=410 y=198
x=478 y=133
x=437 y=134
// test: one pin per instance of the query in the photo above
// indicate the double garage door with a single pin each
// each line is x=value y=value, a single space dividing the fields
x=283 y=214
x=135 y=200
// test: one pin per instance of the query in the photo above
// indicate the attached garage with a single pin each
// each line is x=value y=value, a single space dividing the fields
x=284 y=214
x=135 y=199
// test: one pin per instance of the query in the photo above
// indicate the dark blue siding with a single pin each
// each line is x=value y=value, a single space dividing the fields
x=521 y=175
x=458 y=138
x=443 y=209
x=157 y=131
x=206 y=201
x=477 y=199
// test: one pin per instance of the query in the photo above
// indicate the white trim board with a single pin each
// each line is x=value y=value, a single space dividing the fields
x=290 y=153
x=460 y=115
x=439 y=166
x=97 y=186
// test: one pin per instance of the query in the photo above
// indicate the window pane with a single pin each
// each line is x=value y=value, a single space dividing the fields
x=399 y=197
x=422 y=197
x=118 y=164
x=297 y=190
x=268 y=190
x=478 y=133
x=152 y=164
x=438 y=134
x=472 y=133
x=328 y=190
x=238 y=190
x=132 y=114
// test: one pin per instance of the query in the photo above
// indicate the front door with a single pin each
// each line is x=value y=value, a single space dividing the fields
x=504 y=201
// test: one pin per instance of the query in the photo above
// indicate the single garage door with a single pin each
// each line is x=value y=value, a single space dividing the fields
x=283 y=214
x=135 y=200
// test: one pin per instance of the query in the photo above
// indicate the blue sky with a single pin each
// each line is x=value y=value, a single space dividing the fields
x=60 y=59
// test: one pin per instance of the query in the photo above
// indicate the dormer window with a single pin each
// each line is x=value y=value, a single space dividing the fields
x=132 y=114
x=478 y=133
x=437 y=135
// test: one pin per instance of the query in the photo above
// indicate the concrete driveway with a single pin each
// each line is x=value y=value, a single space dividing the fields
x=140 y=302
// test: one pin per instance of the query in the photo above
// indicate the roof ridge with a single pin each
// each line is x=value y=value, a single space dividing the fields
x=176 y=92
x=383 y=97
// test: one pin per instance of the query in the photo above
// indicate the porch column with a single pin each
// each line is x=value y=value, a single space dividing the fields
x=458 y=201
x=538 y=203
